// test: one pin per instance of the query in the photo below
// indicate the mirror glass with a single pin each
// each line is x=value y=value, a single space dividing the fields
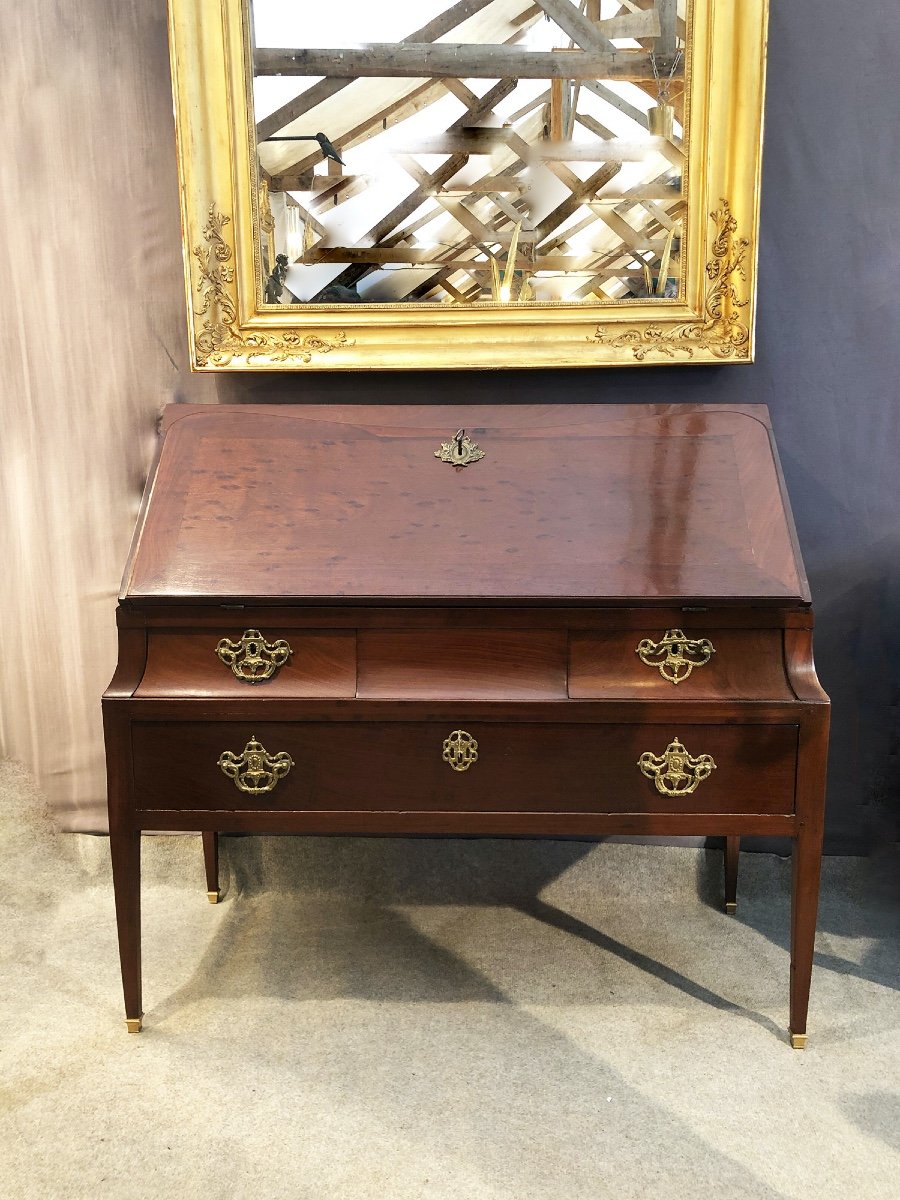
x=482 y=151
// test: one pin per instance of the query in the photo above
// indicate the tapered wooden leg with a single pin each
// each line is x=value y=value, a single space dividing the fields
x=211 y=859
x=807 y=863
x=732 y=854
x=812 y=760
x=125 y=848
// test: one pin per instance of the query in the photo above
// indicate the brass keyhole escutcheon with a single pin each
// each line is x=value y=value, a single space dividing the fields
x=253 y=659
x=460 y=750
x=675 y=772
x=675 y=655
x=255 y=770
x=460 y=451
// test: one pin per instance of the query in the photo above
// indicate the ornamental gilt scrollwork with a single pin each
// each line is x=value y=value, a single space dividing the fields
x=722 y=330
x=675 y=655
x=675 y=772
x=221 y=339
x=253 y=659
x=255 y=770
x=460 y=750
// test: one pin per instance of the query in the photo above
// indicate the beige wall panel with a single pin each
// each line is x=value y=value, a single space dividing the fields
x=92 y=345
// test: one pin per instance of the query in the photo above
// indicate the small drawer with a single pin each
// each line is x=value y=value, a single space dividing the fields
x=472 y=765
x=470 y=664
x=666 y=664
x=241 y=663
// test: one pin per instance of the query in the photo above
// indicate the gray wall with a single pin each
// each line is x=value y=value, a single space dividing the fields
x=828 y=353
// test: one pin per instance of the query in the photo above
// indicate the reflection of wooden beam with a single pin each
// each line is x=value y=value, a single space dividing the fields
x=459 y=60
x=392 y=114
x=667 y=43
x=382 y=231
x=563 y=211
x=667 y=219
x=604 y=150
x=412 y=103
x=338 y=191
x=626 y=109
x=455 y=15
x=572 y=21
x=491 y=183
x=648 y=191
x=528 y=15
x=404 y=209
x=463 y=141
x=458 y=211
x=636 y=240
x=665 y=8
x=632 y=25
x=307 y=216
x=292 y=181
x=559 y=89
x=379 y=255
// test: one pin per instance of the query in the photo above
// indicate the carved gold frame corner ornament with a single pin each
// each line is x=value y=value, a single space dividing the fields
x=722 y=331
x=231 y=328
x=220 y=338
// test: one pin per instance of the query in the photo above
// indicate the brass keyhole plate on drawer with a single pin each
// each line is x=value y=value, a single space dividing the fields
x=253 y=659
x=460 y=750
x=675 y=772
x=255 y=770
x=675 y=655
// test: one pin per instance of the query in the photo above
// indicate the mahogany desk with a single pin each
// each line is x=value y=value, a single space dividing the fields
x=329 y=624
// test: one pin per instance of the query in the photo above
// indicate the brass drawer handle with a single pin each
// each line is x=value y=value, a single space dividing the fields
x=460 y=750
x=676 y=655
x=675 y=772
x=253 y=659
x=255 y=770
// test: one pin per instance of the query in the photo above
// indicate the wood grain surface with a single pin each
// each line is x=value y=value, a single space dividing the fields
x=522 y=767
x=571 y=502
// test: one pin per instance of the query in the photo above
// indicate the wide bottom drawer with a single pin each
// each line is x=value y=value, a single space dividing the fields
x=477 y=766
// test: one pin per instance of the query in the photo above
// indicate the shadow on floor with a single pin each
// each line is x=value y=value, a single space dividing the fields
x=859 y=899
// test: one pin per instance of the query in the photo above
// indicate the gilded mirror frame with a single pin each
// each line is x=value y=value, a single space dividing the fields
x=230 y=328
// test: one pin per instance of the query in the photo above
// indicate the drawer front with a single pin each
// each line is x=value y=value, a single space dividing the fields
x=667 y=663
x=474 y=664
x=433 y=767
x=273 y=662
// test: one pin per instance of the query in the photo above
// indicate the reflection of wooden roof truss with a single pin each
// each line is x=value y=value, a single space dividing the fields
x=481 y=198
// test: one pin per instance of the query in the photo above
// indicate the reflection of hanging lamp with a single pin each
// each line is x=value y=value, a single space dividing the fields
x=661 y=118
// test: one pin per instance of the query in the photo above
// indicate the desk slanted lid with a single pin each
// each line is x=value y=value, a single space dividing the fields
x=603 y=503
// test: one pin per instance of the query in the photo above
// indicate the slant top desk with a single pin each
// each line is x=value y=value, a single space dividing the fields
x=477 y=619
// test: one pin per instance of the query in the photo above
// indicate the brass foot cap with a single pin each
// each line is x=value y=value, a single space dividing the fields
x=212 y=897
x=731 y=907
x=134 y=1024
x=798 y=1041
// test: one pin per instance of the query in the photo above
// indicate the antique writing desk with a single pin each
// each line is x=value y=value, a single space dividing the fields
x=561 y=620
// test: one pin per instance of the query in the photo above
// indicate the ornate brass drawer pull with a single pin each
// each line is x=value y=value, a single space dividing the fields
x=675 y=772
x=253 y=659
x=676 y=655
x=460 y=750
x=255 y=770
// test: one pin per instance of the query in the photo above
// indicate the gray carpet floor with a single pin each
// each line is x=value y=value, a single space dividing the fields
x=427 y=1020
